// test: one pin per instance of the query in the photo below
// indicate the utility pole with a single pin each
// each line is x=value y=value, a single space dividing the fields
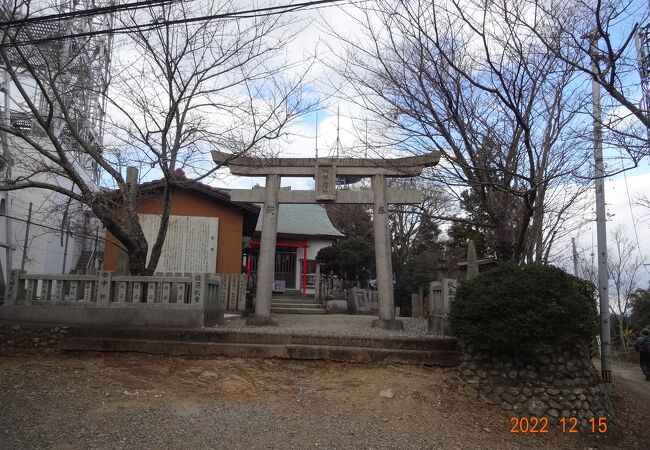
x=7 y=175
x=65 y=248
x=29 y=222
x=601 y=221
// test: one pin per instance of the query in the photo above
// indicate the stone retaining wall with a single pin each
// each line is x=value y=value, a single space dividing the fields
x=558 y=384
x=16 y=339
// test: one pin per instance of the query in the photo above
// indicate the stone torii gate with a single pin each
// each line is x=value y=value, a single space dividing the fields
x=325 y=171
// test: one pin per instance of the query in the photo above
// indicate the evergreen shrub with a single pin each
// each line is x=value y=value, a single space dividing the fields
x=524 y=310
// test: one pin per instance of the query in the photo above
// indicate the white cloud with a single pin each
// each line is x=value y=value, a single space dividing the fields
x=624 y=210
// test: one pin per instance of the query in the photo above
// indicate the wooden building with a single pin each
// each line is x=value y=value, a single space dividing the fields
x=206 y=229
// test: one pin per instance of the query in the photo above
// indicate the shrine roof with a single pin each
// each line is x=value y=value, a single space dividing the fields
x=181 y=181
x=303 y=220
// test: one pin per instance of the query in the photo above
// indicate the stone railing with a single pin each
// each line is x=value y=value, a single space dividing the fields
x=193 y=300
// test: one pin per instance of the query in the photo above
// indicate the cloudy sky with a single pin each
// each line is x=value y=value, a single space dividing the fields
x=622 y=191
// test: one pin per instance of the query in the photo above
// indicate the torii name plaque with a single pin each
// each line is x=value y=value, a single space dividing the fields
x=325 y=171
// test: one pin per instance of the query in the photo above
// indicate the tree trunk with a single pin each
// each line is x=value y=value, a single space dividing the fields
x=621 y=329
x=156 y=250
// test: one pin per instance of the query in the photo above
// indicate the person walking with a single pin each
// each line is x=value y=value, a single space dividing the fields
x=642 y=345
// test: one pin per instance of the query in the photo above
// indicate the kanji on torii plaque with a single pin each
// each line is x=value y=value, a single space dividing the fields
x=325 y=171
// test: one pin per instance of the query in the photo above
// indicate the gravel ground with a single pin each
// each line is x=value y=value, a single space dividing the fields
x=124 y=401
x=330 y=324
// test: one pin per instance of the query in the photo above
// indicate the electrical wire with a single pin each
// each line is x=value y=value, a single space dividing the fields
x=243 y=14
x=636 y=234
x=629 y=202
x=83 y=13
x=58 y=230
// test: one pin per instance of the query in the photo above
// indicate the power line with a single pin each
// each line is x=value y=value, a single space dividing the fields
x=636 y=234
x=243 y=14
x=84 y=12
x=629 y=202
x=58 y=230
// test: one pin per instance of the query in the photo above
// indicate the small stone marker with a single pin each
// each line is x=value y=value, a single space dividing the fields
x=449 y=286
x=166 y=292
x=232 y=298
x=29 y=291
x=223 y=289
x=46 y=287
x=151 y=292
x=358 y=300
x=137 y=292
x=121 y=291
x=104 y=289
x=472 y=261
x=180 y=293
x=57 y=293
x=197 y=289
x=72 y=296
x=416 y=306
x=241 y=301
x=88 y=291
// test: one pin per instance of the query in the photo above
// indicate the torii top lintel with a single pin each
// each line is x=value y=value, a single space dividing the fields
x=303 y=167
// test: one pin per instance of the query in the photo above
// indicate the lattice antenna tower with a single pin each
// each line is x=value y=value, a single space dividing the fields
x=90 y=59
x=85 y=62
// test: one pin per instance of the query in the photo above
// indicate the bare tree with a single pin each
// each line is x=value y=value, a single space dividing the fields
x=177 y=91
x=416 y=228
x=624 y=267
x=618 y=30
x=460 y=78
x=644 y=202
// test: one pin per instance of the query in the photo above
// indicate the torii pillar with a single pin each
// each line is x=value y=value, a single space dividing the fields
x=325 y=171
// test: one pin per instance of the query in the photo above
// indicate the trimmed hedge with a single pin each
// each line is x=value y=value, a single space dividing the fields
x=522 y=310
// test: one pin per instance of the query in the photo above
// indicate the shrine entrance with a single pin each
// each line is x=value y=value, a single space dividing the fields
x=287 y=256
x=325 y=171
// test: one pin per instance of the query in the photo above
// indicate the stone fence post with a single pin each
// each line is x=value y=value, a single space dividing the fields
x=441 y=294
x=104 y=288
x=15 y=289
x=199 y=289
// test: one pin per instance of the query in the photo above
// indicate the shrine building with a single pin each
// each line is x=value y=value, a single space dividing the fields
x=208 y=232
x=303 y=230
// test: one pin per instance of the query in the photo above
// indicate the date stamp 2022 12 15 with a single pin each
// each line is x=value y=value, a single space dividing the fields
x=566 y=425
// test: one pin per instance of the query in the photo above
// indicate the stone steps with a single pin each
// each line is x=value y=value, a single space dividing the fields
x=285 y=305
x=289 y=304
x=296 y=310
x=425 y=350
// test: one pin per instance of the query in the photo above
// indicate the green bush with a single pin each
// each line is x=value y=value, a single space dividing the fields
x=522 y=310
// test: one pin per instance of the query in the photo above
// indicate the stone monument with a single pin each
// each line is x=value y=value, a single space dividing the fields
x=325 y=171
x=472 y=261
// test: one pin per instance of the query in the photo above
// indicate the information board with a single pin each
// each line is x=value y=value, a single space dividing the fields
x=190 y=244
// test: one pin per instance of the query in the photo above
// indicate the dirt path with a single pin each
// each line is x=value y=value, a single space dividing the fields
x=631 y=377
x=138 y=401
